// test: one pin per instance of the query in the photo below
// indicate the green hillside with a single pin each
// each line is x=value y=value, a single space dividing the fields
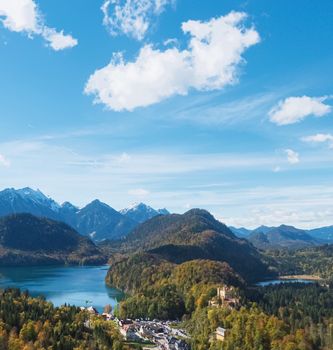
x=28 y=240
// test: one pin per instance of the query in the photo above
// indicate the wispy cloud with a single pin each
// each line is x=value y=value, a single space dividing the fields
x=131 y=17
x=138 y=192
x=210 y=110
x=210 y=62
x=294 y=109
x=274 y=217
x=303 y=206
x=320 y=138
x=24 y=16
x=170 y=180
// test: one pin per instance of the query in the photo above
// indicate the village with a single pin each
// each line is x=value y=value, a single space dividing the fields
x=166 y=335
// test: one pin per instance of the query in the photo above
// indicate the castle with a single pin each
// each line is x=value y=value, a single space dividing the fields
x=225 y=297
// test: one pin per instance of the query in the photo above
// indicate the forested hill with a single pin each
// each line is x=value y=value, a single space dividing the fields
x=28 y=240
x=196 y=235
x=282 y=237
x=309 y=261
x=172 y=264
x=176 y=229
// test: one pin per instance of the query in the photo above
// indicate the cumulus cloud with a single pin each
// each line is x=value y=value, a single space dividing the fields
x=210 y=62
x=131 y=17
x=23 y=16
x=4 y=161
x=294 y=109
x=320 y=138
x=58 y=40
x=292 y=156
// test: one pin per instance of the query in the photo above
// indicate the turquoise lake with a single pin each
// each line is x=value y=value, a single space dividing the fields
x=80 y=286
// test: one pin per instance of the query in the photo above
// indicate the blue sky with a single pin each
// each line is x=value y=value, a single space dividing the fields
x=223 y=105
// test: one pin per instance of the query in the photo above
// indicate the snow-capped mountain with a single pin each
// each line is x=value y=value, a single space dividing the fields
x=27 y=200
x=142 y=212
x=97 y=220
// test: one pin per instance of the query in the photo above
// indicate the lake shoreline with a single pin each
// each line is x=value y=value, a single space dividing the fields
x=74 y=285
x=301 y=277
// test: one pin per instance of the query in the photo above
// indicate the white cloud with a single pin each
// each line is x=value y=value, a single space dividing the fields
x=292 y=156
x=320 y=138
x=3 y=161
x=23 y=16
x=58 y=40
x=294 y=109
x=210 y=62
x=139 y=192
x=131 y=17
x=20 y=15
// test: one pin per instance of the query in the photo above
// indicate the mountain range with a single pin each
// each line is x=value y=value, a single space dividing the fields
x=97 y=220
x=101 y=222
x=285 y=236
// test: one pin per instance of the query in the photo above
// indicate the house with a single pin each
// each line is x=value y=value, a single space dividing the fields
x=181 y=345
x=220 y=333
x=129 y=332
x=107 y=316
x=92 y=310
x=124 y=322
x=177 y=344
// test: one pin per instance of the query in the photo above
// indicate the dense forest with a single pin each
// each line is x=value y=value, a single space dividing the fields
x=34 y=324
x=313 y=261
x=247 y=329
x=160 y=289
x=279 y=317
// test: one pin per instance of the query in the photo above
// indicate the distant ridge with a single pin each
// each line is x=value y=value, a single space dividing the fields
x=283 y=236
x=97 y=220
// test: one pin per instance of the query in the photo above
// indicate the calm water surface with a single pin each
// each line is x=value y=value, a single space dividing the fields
x=273 y=282
x=80 y=286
